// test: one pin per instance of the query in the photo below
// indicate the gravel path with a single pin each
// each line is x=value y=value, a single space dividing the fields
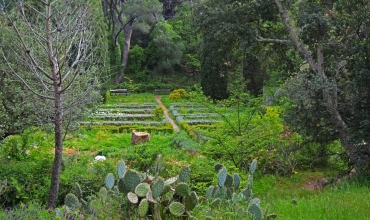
x=165 y=111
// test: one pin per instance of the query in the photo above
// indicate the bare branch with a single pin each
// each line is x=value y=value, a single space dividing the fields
x=277 y=41
x=21 y=78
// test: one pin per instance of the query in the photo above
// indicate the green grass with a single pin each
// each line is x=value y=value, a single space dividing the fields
x=341 y=201
x=132 y=98
x=350 y=203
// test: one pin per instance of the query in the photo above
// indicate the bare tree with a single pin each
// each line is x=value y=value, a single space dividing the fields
x=57 y=48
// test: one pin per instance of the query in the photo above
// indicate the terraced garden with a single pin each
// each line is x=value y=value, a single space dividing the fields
x=139 y=116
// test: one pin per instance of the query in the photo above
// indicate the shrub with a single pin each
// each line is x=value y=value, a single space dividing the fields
x=177 y=94
x=158 y=113
x=26 y=178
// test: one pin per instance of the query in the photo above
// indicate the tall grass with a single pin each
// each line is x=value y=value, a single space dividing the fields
x=350 y=203
x=289 y=198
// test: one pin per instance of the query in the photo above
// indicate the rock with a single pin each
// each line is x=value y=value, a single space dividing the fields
x=138 y=137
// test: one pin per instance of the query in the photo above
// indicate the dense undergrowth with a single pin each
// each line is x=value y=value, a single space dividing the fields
x=282 y=178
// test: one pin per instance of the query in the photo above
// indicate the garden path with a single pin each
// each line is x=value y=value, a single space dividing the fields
x=165 y=111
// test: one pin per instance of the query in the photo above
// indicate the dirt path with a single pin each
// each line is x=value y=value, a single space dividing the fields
x=165 y=111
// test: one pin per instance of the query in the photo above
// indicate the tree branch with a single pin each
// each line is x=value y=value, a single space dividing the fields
x=294 y=37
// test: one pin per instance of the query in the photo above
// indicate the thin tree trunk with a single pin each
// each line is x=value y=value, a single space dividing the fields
x=55 y=174
x=126 y=50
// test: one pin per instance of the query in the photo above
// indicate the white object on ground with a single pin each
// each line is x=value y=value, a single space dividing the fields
x=99 y=158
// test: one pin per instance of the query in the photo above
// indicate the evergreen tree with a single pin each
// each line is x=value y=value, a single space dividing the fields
x=213 y=73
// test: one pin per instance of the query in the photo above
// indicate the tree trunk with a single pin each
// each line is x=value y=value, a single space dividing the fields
x=358 y=153
x=126 y=49
x=55 y=173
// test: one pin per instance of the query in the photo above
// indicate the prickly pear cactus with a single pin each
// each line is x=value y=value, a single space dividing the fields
x=177 y=208
x=182 y=189
x=247 y=193
x=253 y=167
x=221 y=177
x=209 y=193
x=143 y=208
x=103 y=193
x=191 y=201
x=142 y=189
x=236 y=181
x=218 y=167
x=121 y=169
x=129 y=181
x=171 y=180
x=255 y=211
x=78 y=190
x=150 y=198
x=157 y=188
x=225 y=192
x=184 y=175
x=109 y=181
x=228 y=181
x=250 y=181
x=132 y=197
x=71 y=201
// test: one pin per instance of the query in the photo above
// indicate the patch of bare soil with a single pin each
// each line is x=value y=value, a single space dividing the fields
x=67 y=151
x=316 y=184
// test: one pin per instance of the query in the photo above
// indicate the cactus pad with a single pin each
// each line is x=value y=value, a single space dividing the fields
x=132 y=197
x=129 y=181
x=157 y=188
x=228 y=181
x=194 y=196
x=236 y=181
x=121 y=169
x=72 y=201
x=171 y=180
x=229 y=193
x=247 y=193
x=109 y=181
x=166 y=189
x=143 y=208
x=216 y=203
x=177 y=208
x=103 y=193
x=255 y=211
x=167 y=197
x=142 y=189
x=189 y=203
x=250 y=181
x=182 y=189
x=221 y=177
x=271 y=216
x=78 y=190
x=184 y=175
x=253 y=167
x=255 y=201
x=149 y=197
x=209 y=193
x=218 y=167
